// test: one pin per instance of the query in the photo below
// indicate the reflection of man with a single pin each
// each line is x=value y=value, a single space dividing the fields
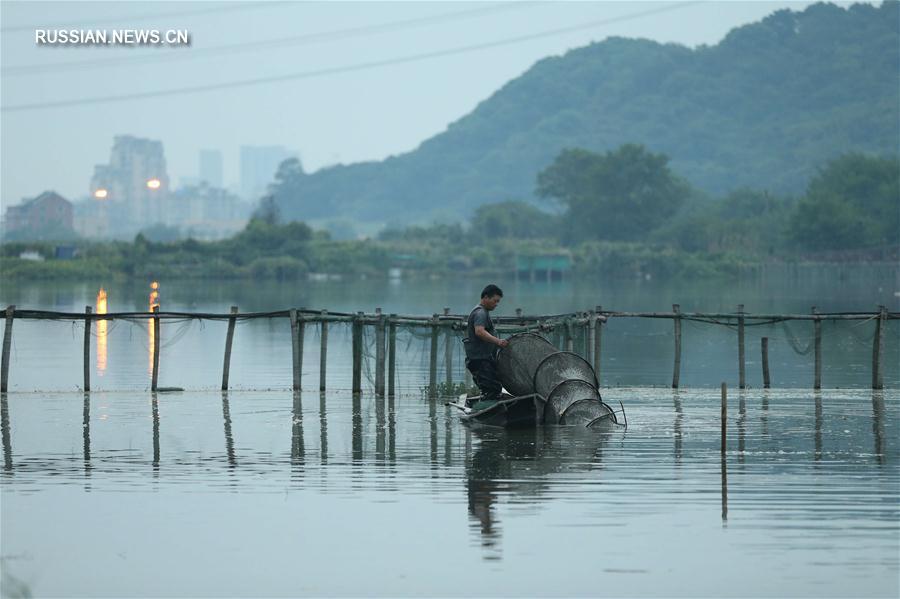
x=481 y=344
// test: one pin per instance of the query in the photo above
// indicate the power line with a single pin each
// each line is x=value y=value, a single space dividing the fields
x=145 y=17
x=325 y=36
x=341 y=69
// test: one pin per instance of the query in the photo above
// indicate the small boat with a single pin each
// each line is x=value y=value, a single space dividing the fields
x=529 y=411
x=524 y=411
x=550 y=386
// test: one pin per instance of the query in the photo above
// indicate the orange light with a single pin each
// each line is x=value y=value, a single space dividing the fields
x=101 y=194
x=101 y=332
x=153 y=183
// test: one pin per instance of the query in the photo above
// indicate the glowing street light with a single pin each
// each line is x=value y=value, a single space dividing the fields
x=153 y=183
x=101 y=194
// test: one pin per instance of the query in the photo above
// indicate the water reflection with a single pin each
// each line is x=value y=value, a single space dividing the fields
x=518 y=463
x=4 y=428
x=357 y=434
x=86 y=432
x=323 y=430
x=679 y=417
x=742 y=425
x=817 y=456
x=379 y=430
x=298 y=451
x=229 y=440
x=878 y=425
x=154 y=402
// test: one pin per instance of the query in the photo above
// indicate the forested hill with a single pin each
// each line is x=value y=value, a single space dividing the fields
x=764 y=108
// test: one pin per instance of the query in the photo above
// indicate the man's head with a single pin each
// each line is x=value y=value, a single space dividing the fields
x=490 y=297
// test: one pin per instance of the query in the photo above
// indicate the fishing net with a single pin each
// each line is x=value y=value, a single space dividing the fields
x=566 y=394
x=559 y=367
x=517 y=363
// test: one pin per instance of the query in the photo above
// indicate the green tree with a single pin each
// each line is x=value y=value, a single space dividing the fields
x=512 y=219
x=620 y=195
x=853 y=203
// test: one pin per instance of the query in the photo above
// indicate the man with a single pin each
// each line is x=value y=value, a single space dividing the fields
x=481 y=345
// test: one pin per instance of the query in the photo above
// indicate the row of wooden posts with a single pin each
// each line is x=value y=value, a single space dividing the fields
x=386 y=330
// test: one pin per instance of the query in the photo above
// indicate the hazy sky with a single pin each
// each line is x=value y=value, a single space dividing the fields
x=342 y=115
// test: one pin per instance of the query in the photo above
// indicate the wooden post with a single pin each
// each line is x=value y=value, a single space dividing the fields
x=676 y=372
x=295 y=350
x=877 y=349
x=742 y=380
x=323 y=351
x=448 y=350
x=157 y=341
x=817 y=328
x=229 y=337
x=765 y=362
x=591 y=336
x=357 y=354
x=432 y=364
x=598 y=336
x=379 y=354
x=568 y=335
x=7 y=342
x=392 y=354
x=87 y=348
x=724 y=417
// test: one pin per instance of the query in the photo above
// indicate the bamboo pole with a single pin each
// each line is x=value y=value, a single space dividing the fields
x=156 y=343
x=357 y=355
x=724 y=462
x=765 y=362
x=676 y=371
x=379 y=354
x=301 y=338
x=432 y=363
x=817 y=328
x=323 y=350
x=87 y=348
x=7 y=343
x=229 y=337
x=392 y=354
x=448 y=350
x=742 y=381
x=295 y=351
x=598 y=337
x=877 y=349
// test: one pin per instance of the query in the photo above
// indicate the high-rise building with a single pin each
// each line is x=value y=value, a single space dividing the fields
x=134 y=184
x=210 y=170
x=258 y=167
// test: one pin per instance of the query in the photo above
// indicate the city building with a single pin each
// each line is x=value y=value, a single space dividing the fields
x=48 y=216
x=210 y=168
x=258 y=167
x=206 y=212
x=134 y=183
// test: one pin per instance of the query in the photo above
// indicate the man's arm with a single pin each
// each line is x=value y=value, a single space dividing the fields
x=482 y=334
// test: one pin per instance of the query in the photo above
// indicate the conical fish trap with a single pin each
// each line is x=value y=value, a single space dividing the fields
x=560 y=367
x=564 y=395
x=517 y=362
x=588 y=412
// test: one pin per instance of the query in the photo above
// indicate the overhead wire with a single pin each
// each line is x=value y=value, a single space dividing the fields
x=340 y=69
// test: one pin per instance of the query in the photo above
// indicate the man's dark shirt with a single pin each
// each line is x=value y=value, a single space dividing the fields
x=476 y=348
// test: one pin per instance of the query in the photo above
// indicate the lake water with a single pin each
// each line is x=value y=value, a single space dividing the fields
x=260 y=492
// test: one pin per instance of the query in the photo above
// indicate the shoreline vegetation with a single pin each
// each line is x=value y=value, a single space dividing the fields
x=622 y=214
